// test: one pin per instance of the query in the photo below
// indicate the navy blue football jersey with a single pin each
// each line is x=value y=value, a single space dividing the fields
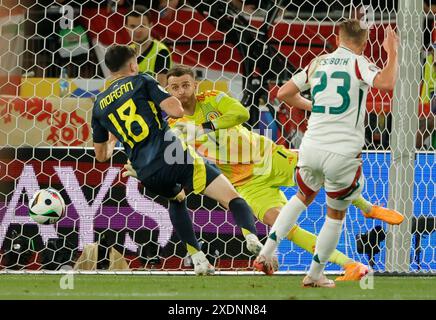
x=130 y=110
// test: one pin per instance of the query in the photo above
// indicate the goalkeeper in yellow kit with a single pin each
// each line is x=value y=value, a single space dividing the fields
x=254 y=164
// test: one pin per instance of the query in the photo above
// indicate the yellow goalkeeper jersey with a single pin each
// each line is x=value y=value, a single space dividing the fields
x=237 y=151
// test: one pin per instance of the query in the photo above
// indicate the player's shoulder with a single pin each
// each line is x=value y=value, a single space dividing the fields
x=207 y=94
x=342 y=56
x=320 y=57
x=100 y=103
x=210 y=96
x=102 y=95
x=311 y=66
x=315 y=62
x=144 y=76
x=363 y=59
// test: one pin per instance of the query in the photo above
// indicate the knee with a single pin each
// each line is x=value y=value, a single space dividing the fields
x=336 y=208
x=335 y=214
x=306 y=199
x=230 y=195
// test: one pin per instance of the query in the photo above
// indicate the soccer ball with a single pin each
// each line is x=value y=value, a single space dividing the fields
x=46 y=206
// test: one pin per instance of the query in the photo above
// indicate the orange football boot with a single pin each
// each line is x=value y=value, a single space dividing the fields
x=354 y=271
x=384 y=214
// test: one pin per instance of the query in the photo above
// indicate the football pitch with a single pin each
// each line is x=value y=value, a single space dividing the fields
x=43 y=286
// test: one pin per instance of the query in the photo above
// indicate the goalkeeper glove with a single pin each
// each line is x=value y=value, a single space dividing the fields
x=191 y=130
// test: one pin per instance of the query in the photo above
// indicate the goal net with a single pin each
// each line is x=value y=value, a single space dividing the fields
x=52 y=68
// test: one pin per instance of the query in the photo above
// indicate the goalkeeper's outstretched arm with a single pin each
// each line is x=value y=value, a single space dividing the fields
x=232 y=112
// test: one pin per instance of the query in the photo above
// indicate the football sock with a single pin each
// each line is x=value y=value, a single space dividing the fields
x=307 y=240
x=302 y=238
x=191 y=250
x=339 y=258
x=287 y=218
x=182 y=223
x=243 y=215
x=363 y=204
x=325 y=245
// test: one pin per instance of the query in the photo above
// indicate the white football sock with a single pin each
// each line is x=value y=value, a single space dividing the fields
x=285 y=221
x=326 y=243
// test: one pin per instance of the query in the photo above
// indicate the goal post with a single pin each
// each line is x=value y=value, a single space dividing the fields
x=404 y=128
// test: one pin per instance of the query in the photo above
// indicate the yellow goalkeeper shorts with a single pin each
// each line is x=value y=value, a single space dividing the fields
x=262 y=192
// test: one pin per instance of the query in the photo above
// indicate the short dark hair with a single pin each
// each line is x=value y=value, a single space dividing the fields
x=180 y=70
x=117 y=56
x=137 y=11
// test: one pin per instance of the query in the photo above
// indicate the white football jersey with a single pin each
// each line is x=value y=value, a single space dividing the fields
x=339 y=83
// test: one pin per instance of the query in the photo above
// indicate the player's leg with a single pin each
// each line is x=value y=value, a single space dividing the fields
x=326 y=243
x=309 y=182
x=180 y=218
x=208 y=180
x=165 y=183
x=354 y=270
x=343 y=183
x=267 y=200
x=221 y=190
x=182 y=223
x=284 y=164
x=371 y=211
x=305 y=239
x=289 y=214
x=264 y=196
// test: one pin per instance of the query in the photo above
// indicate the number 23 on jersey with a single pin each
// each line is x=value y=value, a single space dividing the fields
x=342 y=90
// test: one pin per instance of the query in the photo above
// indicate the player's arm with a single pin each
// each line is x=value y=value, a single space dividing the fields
x=290 y=91
x=232 y=112
x=104 y=142
x=105 y=150
x=386 y=78
x=171 y=105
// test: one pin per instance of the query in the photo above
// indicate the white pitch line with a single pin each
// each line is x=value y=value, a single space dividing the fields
x=70 y=293
x=157 y=273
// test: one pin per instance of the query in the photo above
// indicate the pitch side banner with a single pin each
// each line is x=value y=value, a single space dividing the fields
x=99 y=201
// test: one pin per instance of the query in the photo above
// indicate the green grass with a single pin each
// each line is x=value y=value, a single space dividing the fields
x=29 y=286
